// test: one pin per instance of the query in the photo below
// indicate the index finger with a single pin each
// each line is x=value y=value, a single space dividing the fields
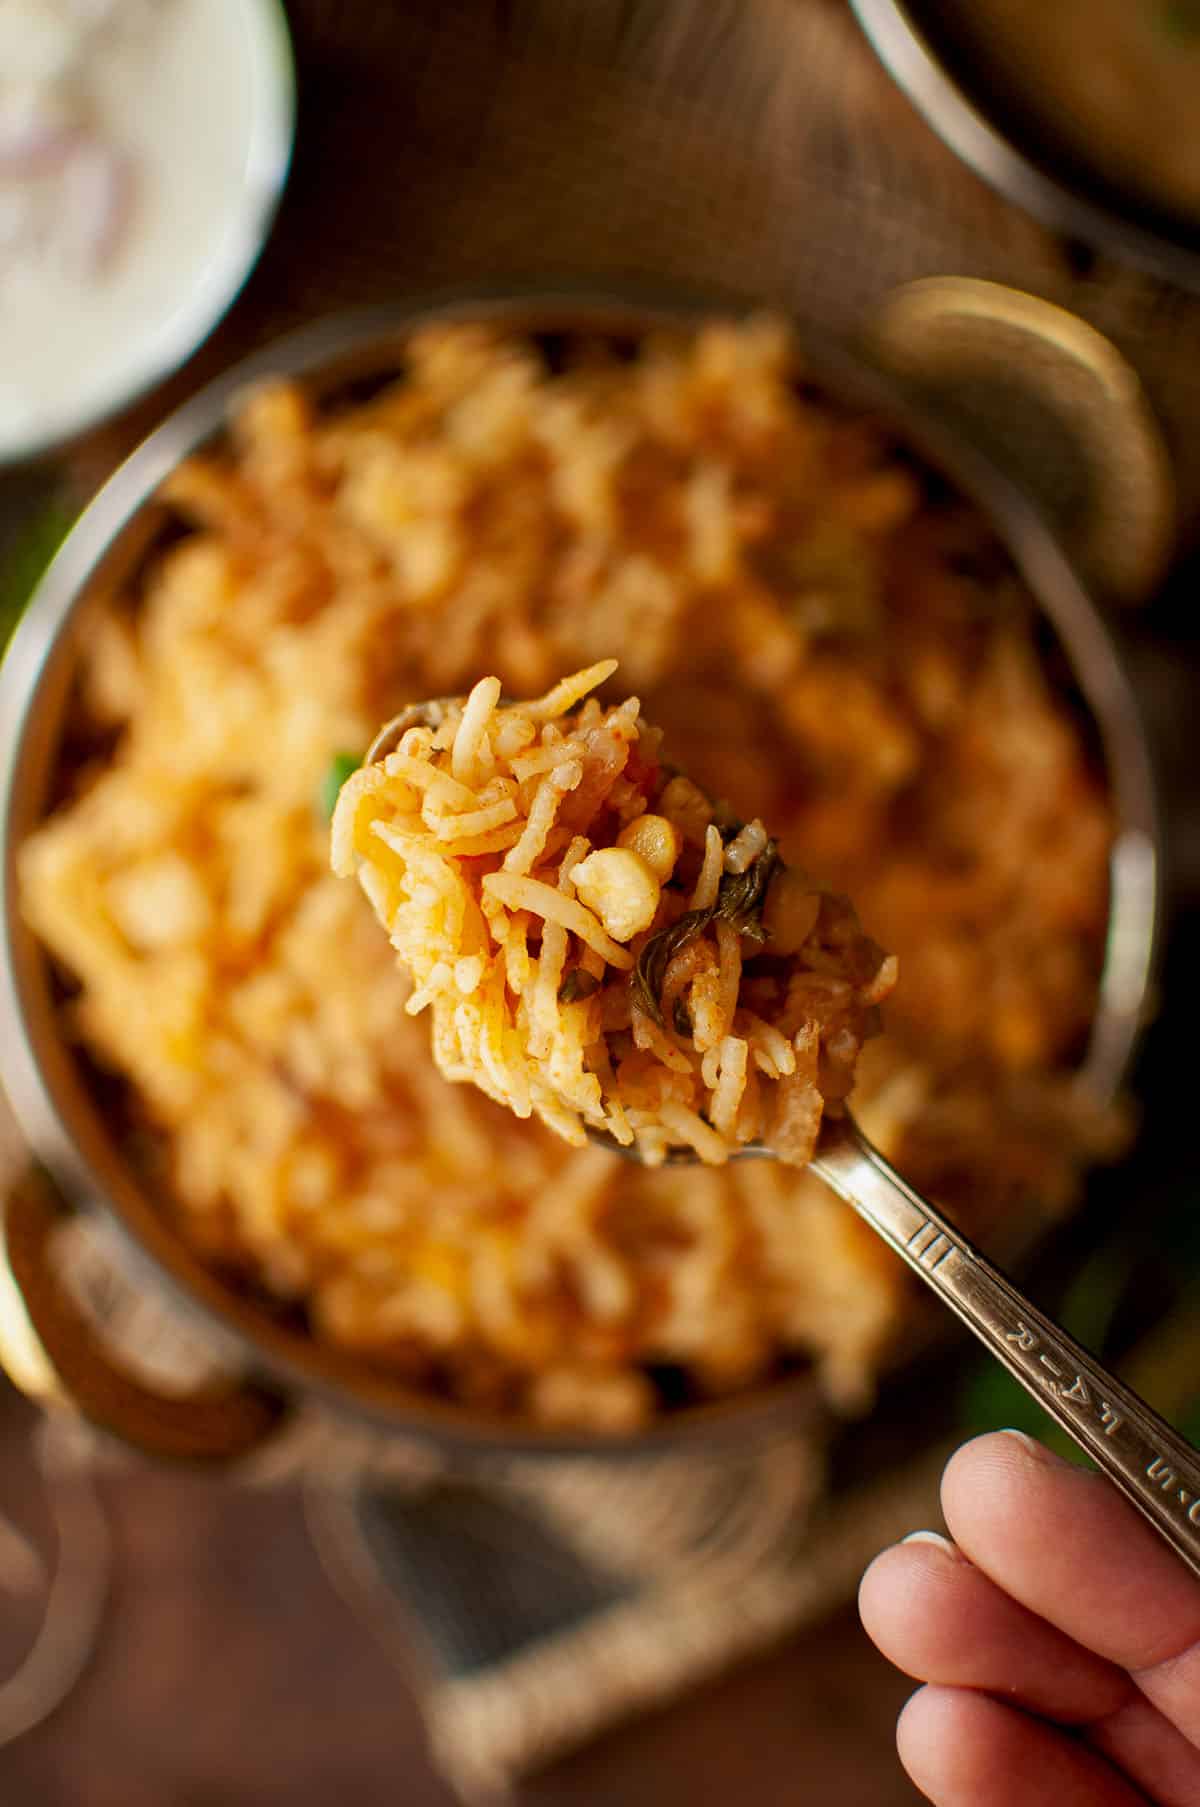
x=1067 y=1545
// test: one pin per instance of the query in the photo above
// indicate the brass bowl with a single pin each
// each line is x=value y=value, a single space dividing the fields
x=985 y=124
x=57 y=1108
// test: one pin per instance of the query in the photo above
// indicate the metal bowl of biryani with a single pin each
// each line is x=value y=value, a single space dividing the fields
x=847 y=624
x=1082 y=112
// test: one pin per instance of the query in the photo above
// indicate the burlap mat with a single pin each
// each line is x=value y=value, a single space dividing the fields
x=743 y=145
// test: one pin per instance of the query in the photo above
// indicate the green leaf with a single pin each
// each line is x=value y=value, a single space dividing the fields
x=741 y=895
x=577 y=984
x=30 y=550
x=1179 y=20
x=991 y=1398
x=657 y=955
x=740 y=899
x=1091 y=1300
x=1188 y=1423
x=339 y=769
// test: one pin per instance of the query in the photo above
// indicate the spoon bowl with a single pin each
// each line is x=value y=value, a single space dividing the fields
x=427 y=714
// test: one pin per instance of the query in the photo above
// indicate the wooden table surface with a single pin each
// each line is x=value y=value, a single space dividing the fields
x=229 y=1670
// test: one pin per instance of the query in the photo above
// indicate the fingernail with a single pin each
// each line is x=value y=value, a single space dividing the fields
x=934 y=1537
x=1031 y=1446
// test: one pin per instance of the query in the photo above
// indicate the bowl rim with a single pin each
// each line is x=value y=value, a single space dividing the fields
x=182 y=332
x=50 y=1099
x=1100 y=217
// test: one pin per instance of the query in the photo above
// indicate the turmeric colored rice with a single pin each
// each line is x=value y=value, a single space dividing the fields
x=599 y=944
x=831 y=643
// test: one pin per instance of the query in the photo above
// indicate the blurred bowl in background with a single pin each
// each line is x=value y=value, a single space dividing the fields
x=1080 y=111
x=143 y=152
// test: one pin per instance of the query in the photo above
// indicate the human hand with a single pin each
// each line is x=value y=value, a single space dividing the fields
x=1058 y=1638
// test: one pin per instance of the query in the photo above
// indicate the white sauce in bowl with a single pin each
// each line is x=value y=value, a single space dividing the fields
x=143 y=144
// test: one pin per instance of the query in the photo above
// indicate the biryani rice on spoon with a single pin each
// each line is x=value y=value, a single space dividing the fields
x=597 y=942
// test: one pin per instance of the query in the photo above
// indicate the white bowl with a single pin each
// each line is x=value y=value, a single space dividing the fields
x=210 y=123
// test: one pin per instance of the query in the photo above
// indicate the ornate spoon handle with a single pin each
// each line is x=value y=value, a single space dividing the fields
x=1151 y=1463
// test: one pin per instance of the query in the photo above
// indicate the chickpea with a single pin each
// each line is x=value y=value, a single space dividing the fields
x=687 y=806
x=656 y=840
x=620 y=887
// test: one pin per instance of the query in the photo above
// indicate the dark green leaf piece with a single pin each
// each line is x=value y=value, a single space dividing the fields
x=657 y=955
x=577 y=984
x=740 y=899
x=741 y=895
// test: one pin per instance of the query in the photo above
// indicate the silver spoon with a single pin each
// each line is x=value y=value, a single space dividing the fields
x=1149 y=1461
x=428 y=714
x=1128 y=1441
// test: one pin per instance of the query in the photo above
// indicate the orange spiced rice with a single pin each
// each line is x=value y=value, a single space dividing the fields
x=832 y=646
